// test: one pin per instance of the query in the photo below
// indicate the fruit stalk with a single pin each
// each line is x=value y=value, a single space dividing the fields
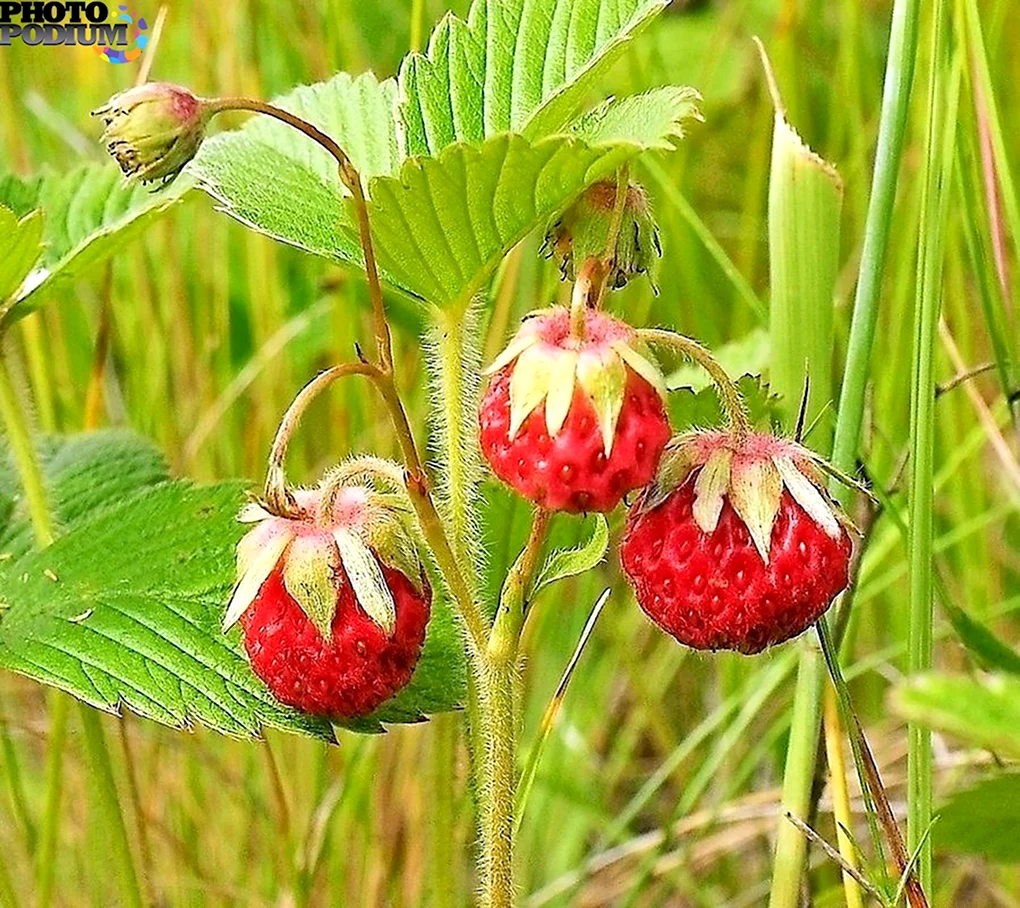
x=352 y=180
x=729 y=394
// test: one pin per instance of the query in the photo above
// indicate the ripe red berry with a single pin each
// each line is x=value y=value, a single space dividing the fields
x=736 y=546
x=333 y=607
x=574 y=423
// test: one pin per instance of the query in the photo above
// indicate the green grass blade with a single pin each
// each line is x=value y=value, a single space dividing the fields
x=942 y=98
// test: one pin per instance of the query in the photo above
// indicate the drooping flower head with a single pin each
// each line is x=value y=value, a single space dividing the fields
x=154 y=129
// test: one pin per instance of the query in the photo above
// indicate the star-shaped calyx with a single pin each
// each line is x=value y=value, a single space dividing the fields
x=550 y=362
x=330 y=536
x=751 y=471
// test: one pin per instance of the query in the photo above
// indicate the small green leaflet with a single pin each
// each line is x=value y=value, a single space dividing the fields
x=21 y=240
x=89 y=213
x=564 y=563
x=513 y=66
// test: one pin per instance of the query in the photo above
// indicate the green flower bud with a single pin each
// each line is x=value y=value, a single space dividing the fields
x=154 y=129
x=582 y=232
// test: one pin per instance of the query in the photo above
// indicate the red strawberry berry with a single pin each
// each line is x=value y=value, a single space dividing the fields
x=333 y=607
x=736 y=545
x=574 y=423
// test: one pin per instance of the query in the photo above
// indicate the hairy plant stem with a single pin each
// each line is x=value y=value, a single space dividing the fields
x=454 y=361
x=498 y=681
x=492 y=685
x=732 y=400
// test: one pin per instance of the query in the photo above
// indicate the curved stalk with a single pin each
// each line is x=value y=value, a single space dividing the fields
x=352 y=180
x=729 y=394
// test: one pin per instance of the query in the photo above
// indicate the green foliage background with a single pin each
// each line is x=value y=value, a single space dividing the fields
x=659 y=786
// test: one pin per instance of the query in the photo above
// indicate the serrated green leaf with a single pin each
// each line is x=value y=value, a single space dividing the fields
x=984 y=711
x=143 y=569
x=564 y=563
x=513 y=66
x=88 y=214
x=653 y=119
x=444 y=225
x=20 y=239
x=81 y=472
x=983 y=820
x=690 y=410
x=281 y=183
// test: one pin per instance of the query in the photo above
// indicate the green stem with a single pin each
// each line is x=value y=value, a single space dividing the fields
x=498 y=794
x=445 y=888
x=59 y=707
x=454 y=362
x=20 y=440
x=806 y=727
x=939 y=142
x=111 y=820
x=499 y=678
x=732 y=400
x=892 y=128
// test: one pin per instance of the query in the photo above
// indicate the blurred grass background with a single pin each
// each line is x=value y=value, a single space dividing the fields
x=660 y=785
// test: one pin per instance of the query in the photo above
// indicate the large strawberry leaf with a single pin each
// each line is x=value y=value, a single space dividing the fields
x=88 y=214
x=442 y=224
x=513 y=66
x=125 y=607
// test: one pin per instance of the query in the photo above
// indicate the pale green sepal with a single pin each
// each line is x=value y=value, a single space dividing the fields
x=637 y=355
x=529 y=385
x=255 y=568
x=709 y=489
x=515 y=348
x=366 y=577
x=755 y=491
x=253 y=512
x=309 y=575
x=674 y=467
x=604 y=380
x=561 y=390
x=806 y=494
x=395 y=547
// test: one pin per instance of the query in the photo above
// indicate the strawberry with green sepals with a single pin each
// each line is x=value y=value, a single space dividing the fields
x=736 y=544
x=573 y=418
x=332 y=599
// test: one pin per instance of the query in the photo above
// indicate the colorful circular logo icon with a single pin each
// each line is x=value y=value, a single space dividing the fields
x=136 y=30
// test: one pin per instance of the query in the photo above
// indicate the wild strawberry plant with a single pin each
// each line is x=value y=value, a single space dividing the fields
x=370 y=598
